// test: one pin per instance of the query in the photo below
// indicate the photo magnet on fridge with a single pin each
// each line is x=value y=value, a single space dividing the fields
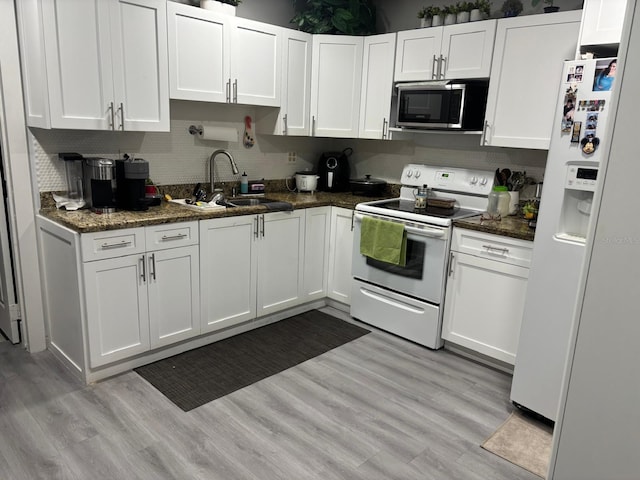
x=575 y=135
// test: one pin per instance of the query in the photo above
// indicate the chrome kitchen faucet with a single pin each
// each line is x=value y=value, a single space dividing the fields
x=212 y=158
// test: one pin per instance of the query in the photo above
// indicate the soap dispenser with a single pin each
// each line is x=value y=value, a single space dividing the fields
x=244 y=183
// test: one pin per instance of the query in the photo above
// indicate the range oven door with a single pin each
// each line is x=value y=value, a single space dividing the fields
x=424 y=275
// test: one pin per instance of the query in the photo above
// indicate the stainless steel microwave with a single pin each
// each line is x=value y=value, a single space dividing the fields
x=455 y=105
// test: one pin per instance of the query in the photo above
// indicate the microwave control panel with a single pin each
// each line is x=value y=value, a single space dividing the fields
x=581 y=178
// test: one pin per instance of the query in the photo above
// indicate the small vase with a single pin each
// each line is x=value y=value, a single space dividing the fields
x=463 y=17
x=551 y=9
x=219 y=7
x=425 y=22
x=475 y=15
x=450 y=19
x=436 y=21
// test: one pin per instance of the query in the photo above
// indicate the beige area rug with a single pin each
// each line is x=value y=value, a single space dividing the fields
x=523 y=441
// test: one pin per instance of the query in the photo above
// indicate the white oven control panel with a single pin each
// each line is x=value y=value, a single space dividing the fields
x=460 y=180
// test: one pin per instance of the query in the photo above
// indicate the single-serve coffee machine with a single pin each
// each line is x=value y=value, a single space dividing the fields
x=131 y=177
x=99 y=184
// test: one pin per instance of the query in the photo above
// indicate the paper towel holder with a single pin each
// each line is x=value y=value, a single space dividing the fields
x=193 y=130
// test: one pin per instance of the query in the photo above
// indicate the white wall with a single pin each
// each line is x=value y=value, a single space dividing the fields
x=275 y=12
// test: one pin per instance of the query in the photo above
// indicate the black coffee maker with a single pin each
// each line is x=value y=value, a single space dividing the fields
x=99 y=184
x=334 y=172
x=131 y=178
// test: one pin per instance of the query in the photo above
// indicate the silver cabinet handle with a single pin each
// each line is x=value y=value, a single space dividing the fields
x=451 y=257
x=313 y=125
x=435 y=70
x=262 y=229
x=121 y=110
x=235 y=91
x=256 y=231
x=353 y=214
x=491 y=248
x=123 y=243
x=284 y=121
x=152 y=266
x=143 y=274
x=179 y=236
x=484 y=132
x=384 y=128
x=442 y=66
x=229 y=91
x=112 y=125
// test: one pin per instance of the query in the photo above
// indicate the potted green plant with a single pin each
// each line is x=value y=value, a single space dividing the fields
x=427 y=14
x=511 y=8
x=223 y=6
x=450 y=12
x=481 y=10
x=348 y=17
x=464 y=9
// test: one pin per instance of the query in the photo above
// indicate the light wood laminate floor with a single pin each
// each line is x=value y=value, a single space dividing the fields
x=376 y=408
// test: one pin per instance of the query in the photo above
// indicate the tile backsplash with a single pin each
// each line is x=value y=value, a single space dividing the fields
x=177 y=157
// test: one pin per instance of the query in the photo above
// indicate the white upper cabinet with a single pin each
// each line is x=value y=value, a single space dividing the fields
x=220 y=58
x=602 y=21
x=525 y=76
x=335 y=85
x=96 y=64
x=451 y=52
x=377 y=85
x=296 y=82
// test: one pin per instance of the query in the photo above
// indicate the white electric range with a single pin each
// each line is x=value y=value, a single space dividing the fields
x=407 y=300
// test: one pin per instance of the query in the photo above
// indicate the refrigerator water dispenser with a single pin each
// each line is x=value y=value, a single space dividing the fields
x=580 y=185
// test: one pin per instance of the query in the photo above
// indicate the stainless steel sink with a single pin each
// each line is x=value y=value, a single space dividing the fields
x=248 y=202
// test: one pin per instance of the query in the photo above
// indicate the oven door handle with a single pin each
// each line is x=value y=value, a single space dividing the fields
x=422 y=231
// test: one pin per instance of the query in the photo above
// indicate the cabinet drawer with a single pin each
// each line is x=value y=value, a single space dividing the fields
x=494 y=247
x=171 y=235
x=111 y=244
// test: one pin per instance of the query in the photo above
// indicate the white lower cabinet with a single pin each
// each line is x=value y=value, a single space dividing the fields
x=142 y=300
x=250 y=266
x=340 y=254
x=485 y=293
x=316 y=252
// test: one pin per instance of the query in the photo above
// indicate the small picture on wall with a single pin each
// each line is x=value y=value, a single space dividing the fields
x=605 y=75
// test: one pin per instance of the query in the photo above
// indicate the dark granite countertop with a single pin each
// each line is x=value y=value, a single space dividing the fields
x=511 y=226
x=85 y=221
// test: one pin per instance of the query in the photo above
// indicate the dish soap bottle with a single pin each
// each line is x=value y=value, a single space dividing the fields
x=244 y=183
x=498 y=205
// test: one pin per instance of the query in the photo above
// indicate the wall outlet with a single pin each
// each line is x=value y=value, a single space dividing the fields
x=293 y=156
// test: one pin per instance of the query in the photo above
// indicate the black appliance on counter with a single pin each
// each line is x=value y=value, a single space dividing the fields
x=99 y=184
x=334 y=172
x=131 y=177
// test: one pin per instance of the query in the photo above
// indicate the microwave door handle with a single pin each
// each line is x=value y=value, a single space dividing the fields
x=435 y=68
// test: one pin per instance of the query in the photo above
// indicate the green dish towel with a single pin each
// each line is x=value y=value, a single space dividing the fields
x=383 y=240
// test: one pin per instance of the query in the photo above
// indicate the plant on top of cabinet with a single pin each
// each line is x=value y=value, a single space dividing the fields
x=427 y=16
x=484 y=6
x=511 y=8
x=550 y=8
x=349 y=17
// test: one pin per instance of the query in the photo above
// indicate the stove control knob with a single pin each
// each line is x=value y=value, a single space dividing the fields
x=417 y=174
x=474 y=180
x=409 y=173
x=483 y=181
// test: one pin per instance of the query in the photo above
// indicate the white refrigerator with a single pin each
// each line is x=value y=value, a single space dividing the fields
x=570 y=179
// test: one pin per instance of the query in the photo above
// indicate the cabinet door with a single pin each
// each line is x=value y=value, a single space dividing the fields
x=228 y=271
x=198 y=54
x=417 y=53
x=340 y=255
x=602 y=21
x=335 y=85
x=280 y=261
x=140 y=66
x=78 y=61
x=316 y=252
x=484 y=305
x=467 y=49
x=117 y=308
x=256 y=63
x=525 y=76
x=173 y=286
x=296 y=84
x=377 y=85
